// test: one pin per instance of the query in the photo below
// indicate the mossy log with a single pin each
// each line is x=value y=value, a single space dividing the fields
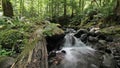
x=34 y=54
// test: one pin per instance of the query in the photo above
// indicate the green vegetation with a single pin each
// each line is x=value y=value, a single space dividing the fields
x=16 y=33
x=13 y=35
x=52 y=29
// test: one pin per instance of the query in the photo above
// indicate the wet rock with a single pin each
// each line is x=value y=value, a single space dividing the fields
x=101 y=37
x=57 y=58
x=6 y=62
x=92 y=39
x=108 y=51
x=102 y=42
x=94 y=34
x=83 y=38
x=108 y=61
x=97 y=32
x=118 y=65
x=80 y=32
x=94 y=29
x=118 y=61
x=52 y=54
x=54 y=42
x=117 y=57
x=109 y=39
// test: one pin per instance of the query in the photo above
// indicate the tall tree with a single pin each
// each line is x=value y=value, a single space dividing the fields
x=65 y=9
x=22 y=8
x=7 y=8
x=117 y=8
x=72 y=8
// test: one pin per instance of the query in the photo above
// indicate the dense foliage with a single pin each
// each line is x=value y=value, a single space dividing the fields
x=13 y=35
x=54 y=8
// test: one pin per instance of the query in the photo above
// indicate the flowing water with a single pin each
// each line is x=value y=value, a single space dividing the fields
x=77 y=54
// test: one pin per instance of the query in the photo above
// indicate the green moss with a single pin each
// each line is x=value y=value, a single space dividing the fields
x=52 y=29
x=113 y=30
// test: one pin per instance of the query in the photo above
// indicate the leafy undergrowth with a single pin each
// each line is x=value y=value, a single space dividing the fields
x=13 y=35
x=16 y=33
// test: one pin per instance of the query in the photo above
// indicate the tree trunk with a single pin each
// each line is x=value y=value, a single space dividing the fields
x=65 y=10
x=117 y=8
x=7 y=8
x=116 y=11
x=72 y=8
x=52 y=8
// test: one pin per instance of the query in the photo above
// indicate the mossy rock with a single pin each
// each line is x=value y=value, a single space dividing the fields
x=6 y=62
x=52 y=29
x=113 y=30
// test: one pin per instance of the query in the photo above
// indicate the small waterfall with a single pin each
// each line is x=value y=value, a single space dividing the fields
x=77 y=54
x=72 y=41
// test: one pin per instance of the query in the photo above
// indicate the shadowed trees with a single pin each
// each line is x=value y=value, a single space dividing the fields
x=7 y=8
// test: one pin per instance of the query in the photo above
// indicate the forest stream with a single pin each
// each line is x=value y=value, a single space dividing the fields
x=59 y=33
x=74 y=53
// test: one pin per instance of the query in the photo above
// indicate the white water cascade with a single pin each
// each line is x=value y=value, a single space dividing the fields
x=77 y=54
